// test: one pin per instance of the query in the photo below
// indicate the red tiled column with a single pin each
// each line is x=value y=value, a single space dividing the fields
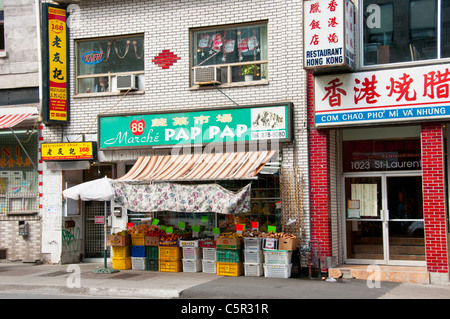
x=319 y=174
x=434 y=197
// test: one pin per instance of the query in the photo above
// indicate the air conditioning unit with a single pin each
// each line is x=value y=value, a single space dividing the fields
x=207 y=75
x=127 y=82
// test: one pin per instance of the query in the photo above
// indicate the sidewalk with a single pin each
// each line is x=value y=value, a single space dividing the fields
x=80 y=279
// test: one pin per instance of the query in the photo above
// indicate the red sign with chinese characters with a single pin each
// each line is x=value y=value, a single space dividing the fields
x=418 y=93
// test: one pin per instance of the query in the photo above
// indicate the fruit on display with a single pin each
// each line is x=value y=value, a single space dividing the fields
x=121 y=233
x=169 y=237
x=230 y=235
x=281 y=235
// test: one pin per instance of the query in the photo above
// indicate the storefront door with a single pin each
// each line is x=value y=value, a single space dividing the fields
x=384 y=218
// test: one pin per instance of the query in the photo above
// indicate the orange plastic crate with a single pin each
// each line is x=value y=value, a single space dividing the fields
x=229 y=269
x=170 y=253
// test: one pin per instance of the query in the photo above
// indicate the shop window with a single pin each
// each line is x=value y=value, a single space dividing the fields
x=405 y=30
x=18 y=179
x=101 y=60
x=2 y=27
x=237 y=51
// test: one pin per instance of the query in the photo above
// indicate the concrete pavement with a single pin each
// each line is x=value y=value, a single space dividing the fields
x=81 y=280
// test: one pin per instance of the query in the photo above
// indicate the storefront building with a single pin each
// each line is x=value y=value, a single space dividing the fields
x=186 y=82
x=378 y=139
x=20 y=222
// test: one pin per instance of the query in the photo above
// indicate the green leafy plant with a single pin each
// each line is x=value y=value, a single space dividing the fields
x=249 y=69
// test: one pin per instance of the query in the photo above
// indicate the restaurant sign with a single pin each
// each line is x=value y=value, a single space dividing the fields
x=328 y=37
x=68 y=151
x=270 y=122
x=406 y=95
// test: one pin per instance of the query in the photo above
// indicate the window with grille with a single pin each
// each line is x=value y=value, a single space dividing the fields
x=18 y=179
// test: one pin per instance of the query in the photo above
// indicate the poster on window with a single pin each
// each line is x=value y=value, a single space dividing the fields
x=366 y=194
x=329 y=34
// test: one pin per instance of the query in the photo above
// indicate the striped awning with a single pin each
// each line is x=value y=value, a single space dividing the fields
x=198 y=167
x=12 y=116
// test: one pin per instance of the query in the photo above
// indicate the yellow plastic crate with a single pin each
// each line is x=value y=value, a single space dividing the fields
x=170 y=265
x=121 y=263
x=121 y=251
x=170 y=253
x=229 y=269
x=138 y=239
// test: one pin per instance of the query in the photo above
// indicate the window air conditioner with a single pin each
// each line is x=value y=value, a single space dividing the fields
x=127 y=82
x=207 y=75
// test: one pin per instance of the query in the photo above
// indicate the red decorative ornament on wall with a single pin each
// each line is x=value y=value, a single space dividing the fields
x=165 y=59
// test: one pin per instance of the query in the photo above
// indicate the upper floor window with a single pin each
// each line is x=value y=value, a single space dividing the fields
x=100 y=61
x=405 y=30
x=2 y=27
x=237 y=50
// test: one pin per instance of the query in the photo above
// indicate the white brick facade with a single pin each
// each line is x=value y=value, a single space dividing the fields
x=165 y=25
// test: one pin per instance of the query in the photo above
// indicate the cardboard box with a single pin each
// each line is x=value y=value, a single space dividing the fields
x=287 y=244
x=116 y=240
x=151 y=241
x=229 y=243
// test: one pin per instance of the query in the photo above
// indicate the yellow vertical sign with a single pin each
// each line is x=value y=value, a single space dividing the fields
x=57 y=42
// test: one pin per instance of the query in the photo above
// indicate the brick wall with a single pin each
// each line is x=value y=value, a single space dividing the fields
x=319 y=175
x=165 y=25
x=434 y=197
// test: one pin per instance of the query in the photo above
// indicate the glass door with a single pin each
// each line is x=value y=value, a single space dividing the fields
x=405 y=219
x=384 y=219
x=364 y=218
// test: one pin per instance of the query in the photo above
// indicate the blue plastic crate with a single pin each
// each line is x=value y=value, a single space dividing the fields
x=137 y=251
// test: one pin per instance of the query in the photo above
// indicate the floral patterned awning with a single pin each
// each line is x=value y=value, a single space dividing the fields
x=173 y=197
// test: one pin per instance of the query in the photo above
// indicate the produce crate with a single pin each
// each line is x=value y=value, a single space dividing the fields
x=229 y=269
x=189 y=243
x=270 y=243
x=252 y=243
x=287 y=244
x=170 y=265
x=207 y=243
x=121 y=251
x=138 y=239
x=253 y=270
x=229 y=243
x=117 y=240
x=277 y=257
x=170 y=253
x=137 y=251
x=138 y=263
x=209 y=254
x=192 y=253
x=168 y=243
x=229 y=256
x=152 y=252
x=253 y=256
x=151 y=241
x=209 y=266
x=152 y=264
x=121 y=263
x=277 y=271
x=192 y=265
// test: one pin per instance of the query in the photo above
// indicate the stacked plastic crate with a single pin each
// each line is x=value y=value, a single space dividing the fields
x=277 y=263
x=209 y=255
x=253 y=256
x=170 y=259
x=192 y=256
x=138 y=260
x=229 y=257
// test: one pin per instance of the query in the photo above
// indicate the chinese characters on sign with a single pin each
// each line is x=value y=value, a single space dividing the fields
x=382 y=96
x=209 y=126
x=328 y=33
x=67 y=151
x=12 y=157
x=57 y=66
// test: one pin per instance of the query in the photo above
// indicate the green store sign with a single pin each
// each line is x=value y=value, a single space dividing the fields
x=246 y=124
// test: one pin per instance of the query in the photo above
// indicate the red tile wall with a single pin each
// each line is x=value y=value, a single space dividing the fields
x=434 y=197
